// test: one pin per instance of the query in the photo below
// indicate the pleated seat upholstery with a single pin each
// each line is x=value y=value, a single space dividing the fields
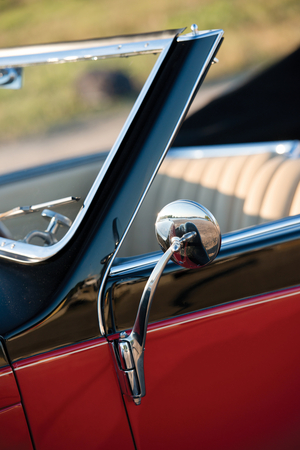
x=240 y=191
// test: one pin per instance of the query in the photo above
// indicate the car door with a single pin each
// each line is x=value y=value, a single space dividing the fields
x=221 y=349
x=221 y=365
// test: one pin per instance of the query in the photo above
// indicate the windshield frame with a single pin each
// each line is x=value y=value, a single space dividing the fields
x=131 y=45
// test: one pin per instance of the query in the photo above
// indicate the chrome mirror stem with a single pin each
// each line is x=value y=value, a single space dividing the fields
x=131 y=348
x=189 y=234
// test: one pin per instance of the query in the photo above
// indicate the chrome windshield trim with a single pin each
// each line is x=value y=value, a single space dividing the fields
x=289 y=148
x=103 y=48
x=218 y=33
x=140 y=262
x=28 y=253
x=196 y=35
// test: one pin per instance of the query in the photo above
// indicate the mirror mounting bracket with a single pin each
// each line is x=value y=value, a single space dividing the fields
x=189 y=234
x=130 y=348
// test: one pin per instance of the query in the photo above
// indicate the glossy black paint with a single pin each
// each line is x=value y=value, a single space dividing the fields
x=242 y=269
x=56 y=301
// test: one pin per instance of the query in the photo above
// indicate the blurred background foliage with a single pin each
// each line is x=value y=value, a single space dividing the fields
x=256 y=34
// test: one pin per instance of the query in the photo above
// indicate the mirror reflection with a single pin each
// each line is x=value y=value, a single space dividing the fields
x=184 y=216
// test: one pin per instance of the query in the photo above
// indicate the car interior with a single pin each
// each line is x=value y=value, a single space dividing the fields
x=240 y=190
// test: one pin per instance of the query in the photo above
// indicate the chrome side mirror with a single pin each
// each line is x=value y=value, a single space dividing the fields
x=190 y=235
x=185 y=216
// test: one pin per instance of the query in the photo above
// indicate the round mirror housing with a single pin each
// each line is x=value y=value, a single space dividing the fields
x=185 y=216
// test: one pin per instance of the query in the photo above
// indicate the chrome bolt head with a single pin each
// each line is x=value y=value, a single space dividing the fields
x=194 y=29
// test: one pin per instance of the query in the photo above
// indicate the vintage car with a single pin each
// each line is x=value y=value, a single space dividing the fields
x=221 y=367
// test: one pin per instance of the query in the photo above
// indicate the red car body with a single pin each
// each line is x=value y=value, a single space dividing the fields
x=221 y=361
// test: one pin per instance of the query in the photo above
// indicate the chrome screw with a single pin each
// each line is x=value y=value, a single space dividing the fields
x=194 y=29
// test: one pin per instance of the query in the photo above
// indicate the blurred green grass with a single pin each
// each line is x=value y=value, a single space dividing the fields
x=255 y=33
x=49 y=99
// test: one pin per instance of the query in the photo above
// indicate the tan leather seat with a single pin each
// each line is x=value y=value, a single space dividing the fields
x=239 y=190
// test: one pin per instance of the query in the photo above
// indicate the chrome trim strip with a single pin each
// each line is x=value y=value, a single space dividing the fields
x=219 y=33
x=85 y=50
x=260 y=230
x=134 y=263
x=290 y=148
x=140 y=262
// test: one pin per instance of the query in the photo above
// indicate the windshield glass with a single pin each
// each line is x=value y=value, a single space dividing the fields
x=55 y=135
